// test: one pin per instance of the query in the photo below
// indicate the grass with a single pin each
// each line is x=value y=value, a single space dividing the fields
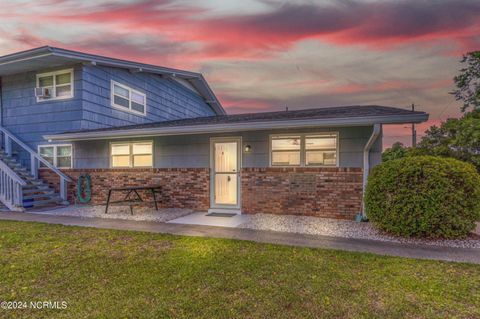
x=124 y=274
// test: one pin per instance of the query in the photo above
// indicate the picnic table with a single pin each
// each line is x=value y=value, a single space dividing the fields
x=154 y=189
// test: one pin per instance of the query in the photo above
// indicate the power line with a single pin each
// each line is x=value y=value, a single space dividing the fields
x=444 y=109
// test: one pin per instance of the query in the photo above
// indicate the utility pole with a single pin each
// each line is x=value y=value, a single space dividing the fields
x=414 y=131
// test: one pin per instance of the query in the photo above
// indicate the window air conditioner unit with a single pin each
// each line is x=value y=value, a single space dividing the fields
x=42 y=92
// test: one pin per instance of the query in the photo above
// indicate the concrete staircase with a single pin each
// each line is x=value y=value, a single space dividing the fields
x=3 y=208
x=36 y=193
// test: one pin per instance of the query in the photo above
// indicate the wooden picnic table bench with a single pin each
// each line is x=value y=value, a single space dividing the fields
x=154 y=189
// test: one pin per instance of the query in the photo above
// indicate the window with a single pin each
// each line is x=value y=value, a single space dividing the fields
x=132 y=154
x=58 y=155
x=286 y=150
x=321 y=150
x=304 y=150
x=128 y=99
x=57 y=85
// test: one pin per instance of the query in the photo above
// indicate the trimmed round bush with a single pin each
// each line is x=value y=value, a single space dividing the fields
x=424 y=196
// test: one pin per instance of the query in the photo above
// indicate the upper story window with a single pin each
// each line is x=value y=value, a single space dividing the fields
x=55 y=85
x=131 y=154
x=58 y=155
x=128 y=99
x=304 y=149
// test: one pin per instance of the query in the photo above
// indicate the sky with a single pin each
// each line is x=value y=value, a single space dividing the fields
x=264 y=55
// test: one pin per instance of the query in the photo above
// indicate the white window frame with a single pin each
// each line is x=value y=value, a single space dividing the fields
x=130 y=90
x=285 y=136
x=54 y=96
x=55 y=154
x=303 y=150
x=130 y=144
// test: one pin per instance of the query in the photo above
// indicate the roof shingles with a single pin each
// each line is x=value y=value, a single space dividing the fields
x=317 y=113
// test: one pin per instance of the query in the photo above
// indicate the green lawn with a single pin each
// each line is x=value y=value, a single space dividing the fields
x=123 y=274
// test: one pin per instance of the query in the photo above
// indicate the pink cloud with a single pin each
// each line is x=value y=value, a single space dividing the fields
x=391 y=85
x=376 y=24
x=185 y=36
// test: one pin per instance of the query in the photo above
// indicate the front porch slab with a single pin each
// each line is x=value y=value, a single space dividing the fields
x=201 y=218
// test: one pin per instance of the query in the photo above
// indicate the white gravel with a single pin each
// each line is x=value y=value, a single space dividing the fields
x=119 y=212
x=341 y=228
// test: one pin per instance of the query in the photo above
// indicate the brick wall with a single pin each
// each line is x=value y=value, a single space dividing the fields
x=181 y=188
x=323 y=192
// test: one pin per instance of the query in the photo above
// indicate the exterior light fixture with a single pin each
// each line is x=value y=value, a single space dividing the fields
x=247 y=148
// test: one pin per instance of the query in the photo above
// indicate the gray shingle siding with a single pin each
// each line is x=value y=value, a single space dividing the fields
x=193 y=151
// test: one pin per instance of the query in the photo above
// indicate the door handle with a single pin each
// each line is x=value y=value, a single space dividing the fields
x=228 y=179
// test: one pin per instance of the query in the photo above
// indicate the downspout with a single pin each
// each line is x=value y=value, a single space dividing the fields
x=377 y=129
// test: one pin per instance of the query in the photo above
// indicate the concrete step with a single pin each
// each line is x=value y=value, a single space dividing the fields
x=36 y=194
x=35 y=182
x=27 y=177
x=3 y=208
x=39 y=203
x=47 y=194
x=21 y=170
x=13 y=164
x=37 y=190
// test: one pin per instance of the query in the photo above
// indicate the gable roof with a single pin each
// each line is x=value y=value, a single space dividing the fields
x=356 y=115
x=38 y=58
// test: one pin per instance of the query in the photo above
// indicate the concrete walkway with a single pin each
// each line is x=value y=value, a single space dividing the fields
x=359 y=245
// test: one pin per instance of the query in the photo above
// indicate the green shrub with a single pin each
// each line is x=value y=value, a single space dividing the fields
x=398 y=150
x=424 y=196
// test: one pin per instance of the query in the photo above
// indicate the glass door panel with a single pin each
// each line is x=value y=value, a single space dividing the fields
x=225 y=173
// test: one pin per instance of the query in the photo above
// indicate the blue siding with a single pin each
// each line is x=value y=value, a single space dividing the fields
x=90 y=107
x=166 y=99
x=28 y=119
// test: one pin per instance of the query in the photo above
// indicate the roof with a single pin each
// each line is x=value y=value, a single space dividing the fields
x=38 y=58
x=356 y=115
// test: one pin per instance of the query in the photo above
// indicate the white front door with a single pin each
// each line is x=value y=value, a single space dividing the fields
x=225 y=167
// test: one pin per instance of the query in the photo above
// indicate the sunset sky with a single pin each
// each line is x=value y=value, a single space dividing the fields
x=266 y=55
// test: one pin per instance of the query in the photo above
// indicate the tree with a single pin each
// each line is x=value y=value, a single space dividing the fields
x=398 y=150
x=468 y=82
x=457 y=138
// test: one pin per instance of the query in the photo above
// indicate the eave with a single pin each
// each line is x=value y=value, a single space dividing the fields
x=236 y=127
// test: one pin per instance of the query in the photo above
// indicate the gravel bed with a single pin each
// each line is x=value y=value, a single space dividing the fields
x=342 y=228
x=119 y=212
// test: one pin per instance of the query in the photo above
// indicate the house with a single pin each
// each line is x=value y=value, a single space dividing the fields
x=67 y=113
